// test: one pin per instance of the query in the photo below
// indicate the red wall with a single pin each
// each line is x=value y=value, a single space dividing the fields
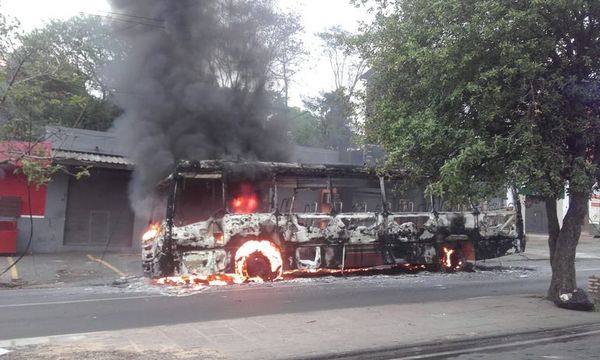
x=16 y=185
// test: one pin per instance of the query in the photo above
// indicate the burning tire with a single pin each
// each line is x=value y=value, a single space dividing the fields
x=259 y=259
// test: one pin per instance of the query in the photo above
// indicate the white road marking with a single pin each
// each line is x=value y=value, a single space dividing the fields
x=80 y=301
x=479 y=297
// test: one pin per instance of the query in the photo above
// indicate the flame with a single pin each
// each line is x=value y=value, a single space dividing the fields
x=271 y=268
x=250 y=249
x=264 y=251
x=449 y=259
x=353 y=271
x=244 y=204
x=212 y=279
x=151 y=232
x=230 y=279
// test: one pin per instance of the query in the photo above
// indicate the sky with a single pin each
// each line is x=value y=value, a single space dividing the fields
x=317 y=16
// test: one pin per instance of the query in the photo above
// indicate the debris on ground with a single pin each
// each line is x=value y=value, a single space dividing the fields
x=576 y=300
x=93 y=352
x=12 y=284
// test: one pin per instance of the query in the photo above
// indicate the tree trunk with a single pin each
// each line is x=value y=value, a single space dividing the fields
x=519 y=210
x=563 y=264
x=286 y=85
x=553 y=225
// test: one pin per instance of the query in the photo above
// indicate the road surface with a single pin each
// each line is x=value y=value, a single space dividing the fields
x=44 y=312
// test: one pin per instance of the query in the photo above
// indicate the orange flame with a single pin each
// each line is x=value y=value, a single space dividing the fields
x=449 y=259
x=151 y=232
x=259 y=248
x=353 y=271
x=271 y=267
x=212 y=279
x=244 y=255
x=230 y=279
x=244 y=204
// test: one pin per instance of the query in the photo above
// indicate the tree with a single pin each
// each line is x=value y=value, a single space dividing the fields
x=289 y=51
x=301 y=126
x=334 y=112
x=304 y=128
x=346 y=66
x=50 y=76
x=336 y=109
x=470 y=97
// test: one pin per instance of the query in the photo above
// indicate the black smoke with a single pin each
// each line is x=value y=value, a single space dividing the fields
x=192 y=85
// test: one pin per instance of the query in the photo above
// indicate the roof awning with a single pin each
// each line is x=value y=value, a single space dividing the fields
x=92 y=159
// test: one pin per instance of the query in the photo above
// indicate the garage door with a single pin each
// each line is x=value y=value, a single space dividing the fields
x=98 y=212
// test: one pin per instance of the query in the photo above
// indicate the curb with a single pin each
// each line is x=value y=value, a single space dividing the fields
x=442 y=349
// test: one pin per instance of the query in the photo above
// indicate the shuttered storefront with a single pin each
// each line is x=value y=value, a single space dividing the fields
x=98 y=212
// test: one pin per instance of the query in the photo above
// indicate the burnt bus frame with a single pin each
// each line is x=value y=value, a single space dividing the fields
x=192 y=169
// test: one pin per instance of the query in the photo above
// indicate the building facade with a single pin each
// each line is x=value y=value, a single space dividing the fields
x=92 y=213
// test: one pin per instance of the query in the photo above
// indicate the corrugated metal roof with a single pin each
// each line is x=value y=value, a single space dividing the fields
x=91 y=158
x=82 y=140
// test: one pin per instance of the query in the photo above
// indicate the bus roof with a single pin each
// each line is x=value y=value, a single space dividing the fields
x=192 y=168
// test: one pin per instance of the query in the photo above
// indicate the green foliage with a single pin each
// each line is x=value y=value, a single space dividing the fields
x=38 y=173
x=303 y=127
x=471 y=96
x=288 y=51
x=51 y=77
x=334 y=113
x=336 y=110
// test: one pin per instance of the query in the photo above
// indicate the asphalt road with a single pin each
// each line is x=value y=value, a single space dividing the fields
x=44 y=312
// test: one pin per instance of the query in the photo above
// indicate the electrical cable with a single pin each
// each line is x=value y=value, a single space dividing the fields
x=129 y=21
x=133 y=16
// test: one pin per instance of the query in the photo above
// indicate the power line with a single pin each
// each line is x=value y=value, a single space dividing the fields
x=129 y=21
x=133 y=16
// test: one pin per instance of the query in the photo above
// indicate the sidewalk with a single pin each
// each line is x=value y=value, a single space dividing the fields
x=537 y=247
x=311 y=334
x=68 y=269
x=85 y=269
x=292 y=335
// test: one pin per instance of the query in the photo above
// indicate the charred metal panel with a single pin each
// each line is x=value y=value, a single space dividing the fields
x=331 y=240
x=308 y=257
x=193 y=168
x=195 y=235
x=320 y=238
x=204 y=262
x=245 y=225
x=493 y=247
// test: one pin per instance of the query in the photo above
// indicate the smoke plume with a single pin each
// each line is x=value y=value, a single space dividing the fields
x=192 y=85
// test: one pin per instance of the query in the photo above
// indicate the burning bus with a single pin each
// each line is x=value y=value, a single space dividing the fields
x=233 y=221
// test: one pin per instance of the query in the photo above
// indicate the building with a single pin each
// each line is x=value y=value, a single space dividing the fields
x=93 y=213
x=89 y=214
x=536 y=220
